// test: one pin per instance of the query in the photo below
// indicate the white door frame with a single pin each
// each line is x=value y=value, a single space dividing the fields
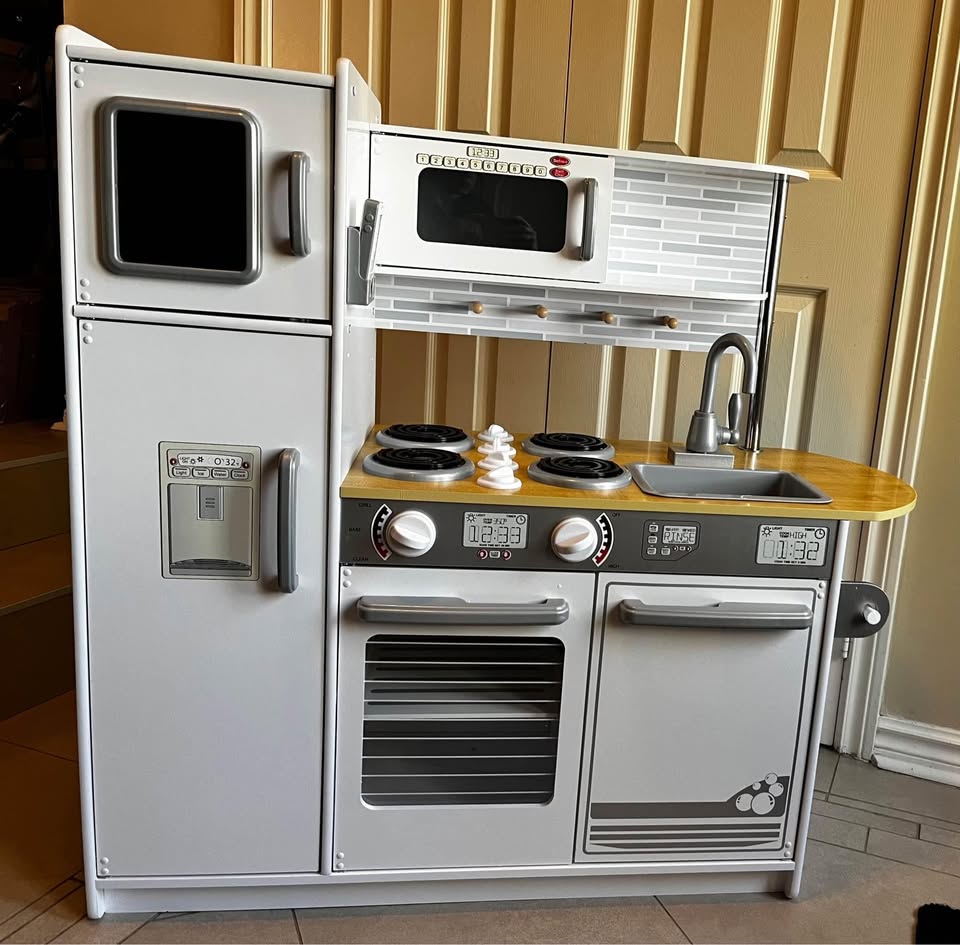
x=930 y=214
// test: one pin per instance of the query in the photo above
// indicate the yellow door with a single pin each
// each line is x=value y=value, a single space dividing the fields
x=831 y=86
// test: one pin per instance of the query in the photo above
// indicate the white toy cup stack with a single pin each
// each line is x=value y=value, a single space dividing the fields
x=498 y=459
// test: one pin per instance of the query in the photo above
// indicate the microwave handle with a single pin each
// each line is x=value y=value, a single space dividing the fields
x=727 y=615
x=456 y=612
x=297 y=203
x=587 y=243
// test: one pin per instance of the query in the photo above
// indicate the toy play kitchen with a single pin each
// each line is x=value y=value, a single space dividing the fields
x=322 y=662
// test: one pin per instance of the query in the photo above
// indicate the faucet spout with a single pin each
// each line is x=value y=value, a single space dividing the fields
x=731 y=339
x=705 y=434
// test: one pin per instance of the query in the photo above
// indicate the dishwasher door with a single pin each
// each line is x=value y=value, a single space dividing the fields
x=699 y=711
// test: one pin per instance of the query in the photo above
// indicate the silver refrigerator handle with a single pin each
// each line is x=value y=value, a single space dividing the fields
x=455 y=611
x=727 y=615
x=589 y=238
x=287 y=520
x=297 y=203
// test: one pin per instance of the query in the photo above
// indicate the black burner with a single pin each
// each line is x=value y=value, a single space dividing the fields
x=568 y=442
x=580 y=467
x=418 y=459
x=425 y=433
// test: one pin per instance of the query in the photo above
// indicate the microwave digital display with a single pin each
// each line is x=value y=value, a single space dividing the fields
x=506 y=211
x=478 y=152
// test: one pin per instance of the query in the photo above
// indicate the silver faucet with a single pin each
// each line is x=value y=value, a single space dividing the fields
x=705 y=434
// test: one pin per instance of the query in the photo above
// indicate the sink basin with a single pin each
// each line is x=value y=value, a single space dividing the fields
x=757 y=485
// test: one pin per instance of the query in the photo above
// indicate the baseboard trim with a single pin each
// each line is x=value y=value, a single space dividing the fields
x=918 y=749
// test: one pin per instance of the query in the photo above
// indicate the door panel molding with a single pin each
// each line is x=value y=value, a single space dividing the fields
x=819 y=89
x=931 y=213
x=253 y=32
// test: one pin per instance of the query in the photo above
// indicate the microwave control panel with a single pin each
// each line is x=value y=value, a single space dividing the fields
x=488 y=164
x=210 y=511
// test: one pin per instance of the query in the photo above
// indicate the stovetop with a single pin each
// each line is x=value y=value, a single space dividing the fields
x=567 y=444
x=418 y=464
x=425 y=435
x=579 y=472
x=548 y=462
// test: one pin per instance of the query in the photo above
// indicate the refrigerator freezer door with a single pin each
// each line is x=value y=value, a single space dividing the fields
x=205 y=693
x=200 y=192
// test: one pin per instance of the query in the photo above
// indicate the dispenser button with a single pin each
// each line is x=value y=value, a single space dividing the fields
x=239 y=473
x=220 y=473
x=180 y=472
x=211 y=503
x=200 y=472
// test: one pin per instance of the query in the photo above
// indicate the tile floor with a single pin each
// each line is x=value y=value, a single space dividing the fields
x=883 y=845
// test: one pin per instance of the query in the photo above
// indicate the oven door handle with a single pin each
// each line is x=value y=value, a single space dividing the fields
x=455 y=611
x=589 y=239
x=727 y=615
x=297 y=203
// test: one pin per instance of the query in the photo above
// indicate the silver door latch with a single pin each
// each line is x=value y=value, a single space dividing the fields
x=362 y=253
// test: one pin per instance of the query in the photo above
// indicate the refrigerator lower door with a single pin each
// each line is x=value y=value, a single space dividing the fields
x=205 y=678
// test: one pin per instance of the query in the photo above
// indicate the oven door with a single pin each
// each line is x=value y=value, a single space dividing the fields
x=461 y=207
x=699 y=711
x=459 y=717
x=198 y=192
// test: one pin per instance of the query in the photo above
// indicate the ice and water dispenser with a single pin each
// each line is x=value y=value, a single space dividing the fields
x=210 y=510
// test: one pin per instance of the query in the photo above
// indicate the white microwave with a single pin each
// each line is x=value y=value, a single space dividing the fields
x=495 y=207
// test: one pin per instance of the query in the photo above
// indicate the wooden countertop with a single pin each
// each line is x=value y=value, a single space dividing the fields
x=859 y=493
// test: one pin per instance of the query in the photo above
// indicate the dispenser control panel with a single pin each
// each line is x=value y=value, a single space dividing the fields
x=210 y=510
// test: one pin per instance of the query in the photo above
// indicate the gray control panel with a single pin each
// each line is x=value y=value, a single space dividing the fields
x=459 y=535
x=210 y=511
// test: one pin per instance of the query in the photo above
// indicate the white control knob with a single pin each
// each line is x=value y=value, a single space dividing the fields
x=872 y=615
x=574 y=539
x=410 y=534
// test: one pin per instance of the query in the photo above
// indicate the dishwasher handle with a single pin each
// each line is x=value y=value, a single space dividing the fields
x=727 y=615
x=455 y=611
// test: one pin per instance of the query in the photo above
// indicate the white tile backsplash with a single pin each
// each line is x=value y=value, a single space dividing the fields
x=575 y=314
x=683 y=218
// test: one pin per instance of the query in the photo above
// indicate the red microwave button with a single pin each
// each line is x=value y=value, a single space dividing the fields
x=559 y=172
x=559 y=160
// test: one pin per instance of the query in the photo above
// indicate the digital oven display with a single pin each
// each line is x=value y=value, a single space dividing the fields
x=792 y=544
x=494 y=530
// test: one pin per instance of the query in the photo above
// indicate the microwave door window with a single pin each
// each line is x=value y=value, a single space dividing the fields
x=498 y=210
x=184 y=191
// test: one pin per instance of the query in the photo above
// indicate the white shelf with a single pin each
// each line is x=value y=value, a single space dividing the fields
x=663 y=290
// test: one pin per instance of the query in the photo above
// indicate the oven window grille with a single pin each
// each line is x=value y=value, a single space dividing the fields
x=460 y=720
